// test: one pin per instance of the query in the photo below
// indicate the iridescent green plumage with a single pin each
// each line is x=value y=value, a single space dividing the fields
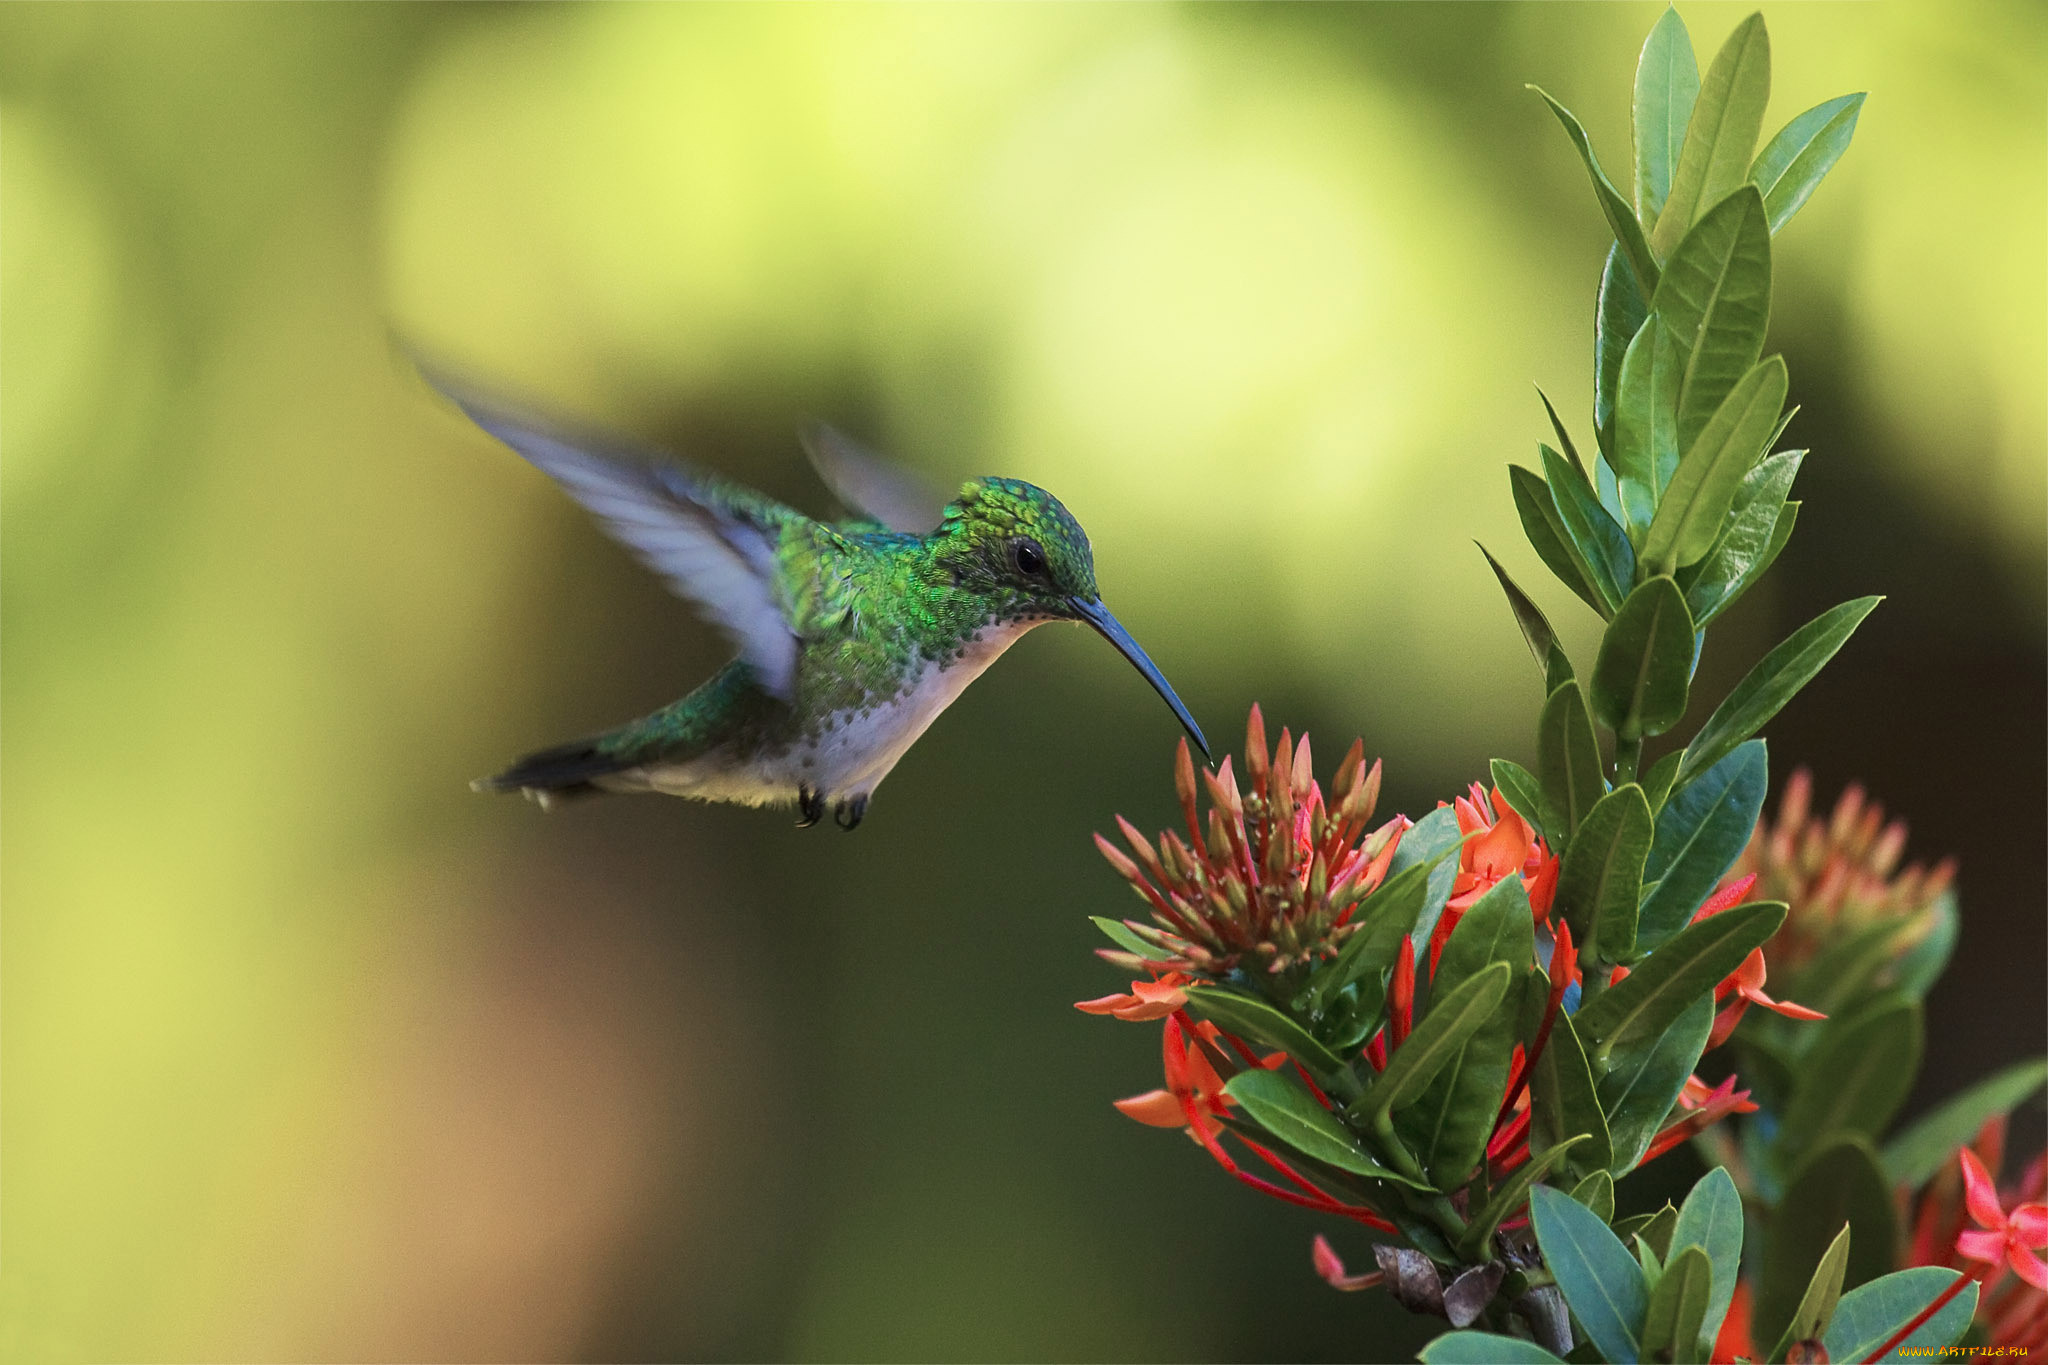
x=852 y=637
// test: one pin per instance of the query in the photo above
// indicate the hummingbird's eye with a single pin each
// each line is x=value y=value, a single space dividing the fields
x=1030 y=558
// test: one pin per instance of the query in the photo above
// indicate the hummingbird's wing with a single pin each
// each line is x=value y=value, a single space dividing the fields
x=712 y=542
x=871 y=485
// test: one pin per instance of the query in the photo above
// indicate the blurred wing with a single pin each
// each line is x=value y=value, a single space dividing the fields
x=871 y=485
x=714 y=546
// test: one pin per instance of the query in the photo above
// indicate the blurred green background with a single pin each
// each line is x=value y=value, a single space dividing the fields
x=310 y=1053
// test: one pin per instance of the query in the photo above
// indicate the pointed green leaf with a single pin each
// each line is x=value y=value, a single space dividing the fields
x=1535 y=627
x=1731 y=565
x=1657 y=781
x=1485 y=1348
x=1508 y=1196
x=1643 y=1004
x=1817 y=1306
x=1775 y=680
x=1523 y=792
x=1857 y=1076
x=1120 y=934
x=1868 y=1317
x=1567 y=761
x=1711 y=1220
x=1256 y=1021
x=1838 y=1183
x=1716 y=299
x=1563 y=1102
x=1726 y=120
x=1599 y=1279
x=1283 y=1107
x=1646 y=423
x=1840 y=977
x=1564 y=438
x=1427 y=841
x=1912 y=1158
x=1695 y=507
x=1602 y=544
x=1548 y=537
x=1667 y=83
x=1436 y=1041
x=1643 y=1081
x=1447 y=1125
x=1601 y=878
x=1621 y=218
x=1644 y=667
x=1596 y=1192
x=1792 y=163
x=1654 y=1229
x=1678 y=1307
x=1702 y=829
x=1383 y=918
x=1620 y=316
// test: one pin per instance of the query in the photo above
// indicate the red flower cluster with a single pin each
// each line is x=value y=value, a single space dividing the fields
x=2010 y=1228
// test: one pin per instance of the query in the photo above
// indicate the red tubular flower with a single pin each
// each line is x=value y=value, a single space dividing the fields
x=1746 y=982
x=1707 y=1108
x=2001 y=1236
x=1495 y=846
x=1331 y=1268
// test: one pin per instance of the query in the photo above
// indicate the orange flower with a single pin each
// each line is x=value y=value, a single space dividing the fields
x=1496 y=846
x=1746 y=982
x=2012 y=1238
x=1147 y=1000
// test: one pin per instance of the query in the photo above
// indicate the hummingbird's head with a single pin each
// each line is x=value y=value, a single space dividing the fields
x=1019 y=548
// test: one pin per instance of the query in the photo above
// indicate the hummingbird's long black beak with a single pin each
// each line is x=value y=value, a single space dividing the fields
x=1097 y=615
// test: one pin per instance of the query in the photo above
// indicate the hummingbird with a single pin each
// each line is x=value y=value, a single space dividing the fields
x=852 y=637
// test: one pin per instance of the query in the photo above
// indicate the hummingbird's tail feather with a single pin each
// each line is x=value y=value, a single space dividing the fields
x=558 y=773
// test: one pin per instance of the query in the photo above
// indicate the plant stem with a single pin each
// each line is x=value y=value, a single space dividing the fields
x=1941 y=1301
x=1628 y=753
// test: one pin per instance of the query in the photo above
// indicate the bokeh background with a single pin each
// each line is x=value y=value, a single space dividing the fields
x=308 y=1052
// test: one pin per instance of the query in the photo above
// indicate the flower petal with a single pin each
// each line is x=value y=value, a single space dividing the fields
x=2028 y=1267
x=1103 y=1004
x=1980 y=1193
x=2029 y=1224
x=1157 y=1108
x=1981 y=1246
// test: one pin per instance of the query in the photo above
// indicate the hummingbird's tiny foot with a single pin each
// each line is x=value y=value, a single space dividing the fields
x=810 y=807
x=847 y=814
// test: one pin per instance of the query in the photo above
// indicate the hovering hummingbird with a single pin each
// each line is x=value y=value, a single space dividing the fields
x=852 y=637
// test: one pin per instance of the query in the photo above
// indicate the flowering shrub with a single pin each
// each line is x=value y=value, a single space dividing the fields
x=1459 y=1031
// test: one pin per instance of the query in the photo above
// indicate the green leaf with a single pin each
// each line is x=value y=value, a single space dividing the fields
x=1548 y=537
x=1695 y=508
x=1642 y=1082
x=1817 y=1306
x=1601 y=878
x=1284 y=1108
x=1646 y=423
x=1839 y=977
x=1599 y=1279
x=1775 y=680
x=1837 y=1183
x=1523 y=792
x=1259 y=1022
x=1535 y=628
x=1485 y=1348
x=1383 y=919
x=1711 y=1220
x=1925 y=961
x=1701 y=831
x=1119 y=933
x=1678 y=1307
x=1716 y=299
x=1867 y=1318
x=1857 y=1075
x=1564 y=438
x=1447 y=1125
x=1646 y=1002
x=1436 y=1041
x=1792 y=163
x=1427 y=841
x=1507 y=1197
x=1657 y=781
x=1644 y=668
x=1564 y=1104
x=1912 y=1158
x=1621 y=314
x=1722 y=132
x=1596 y=1192
x=1602 y=544
x=1621 y=218
x=1567 y=761
x=1730 y=567
x=1667 y=83
x=1654 y=1229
